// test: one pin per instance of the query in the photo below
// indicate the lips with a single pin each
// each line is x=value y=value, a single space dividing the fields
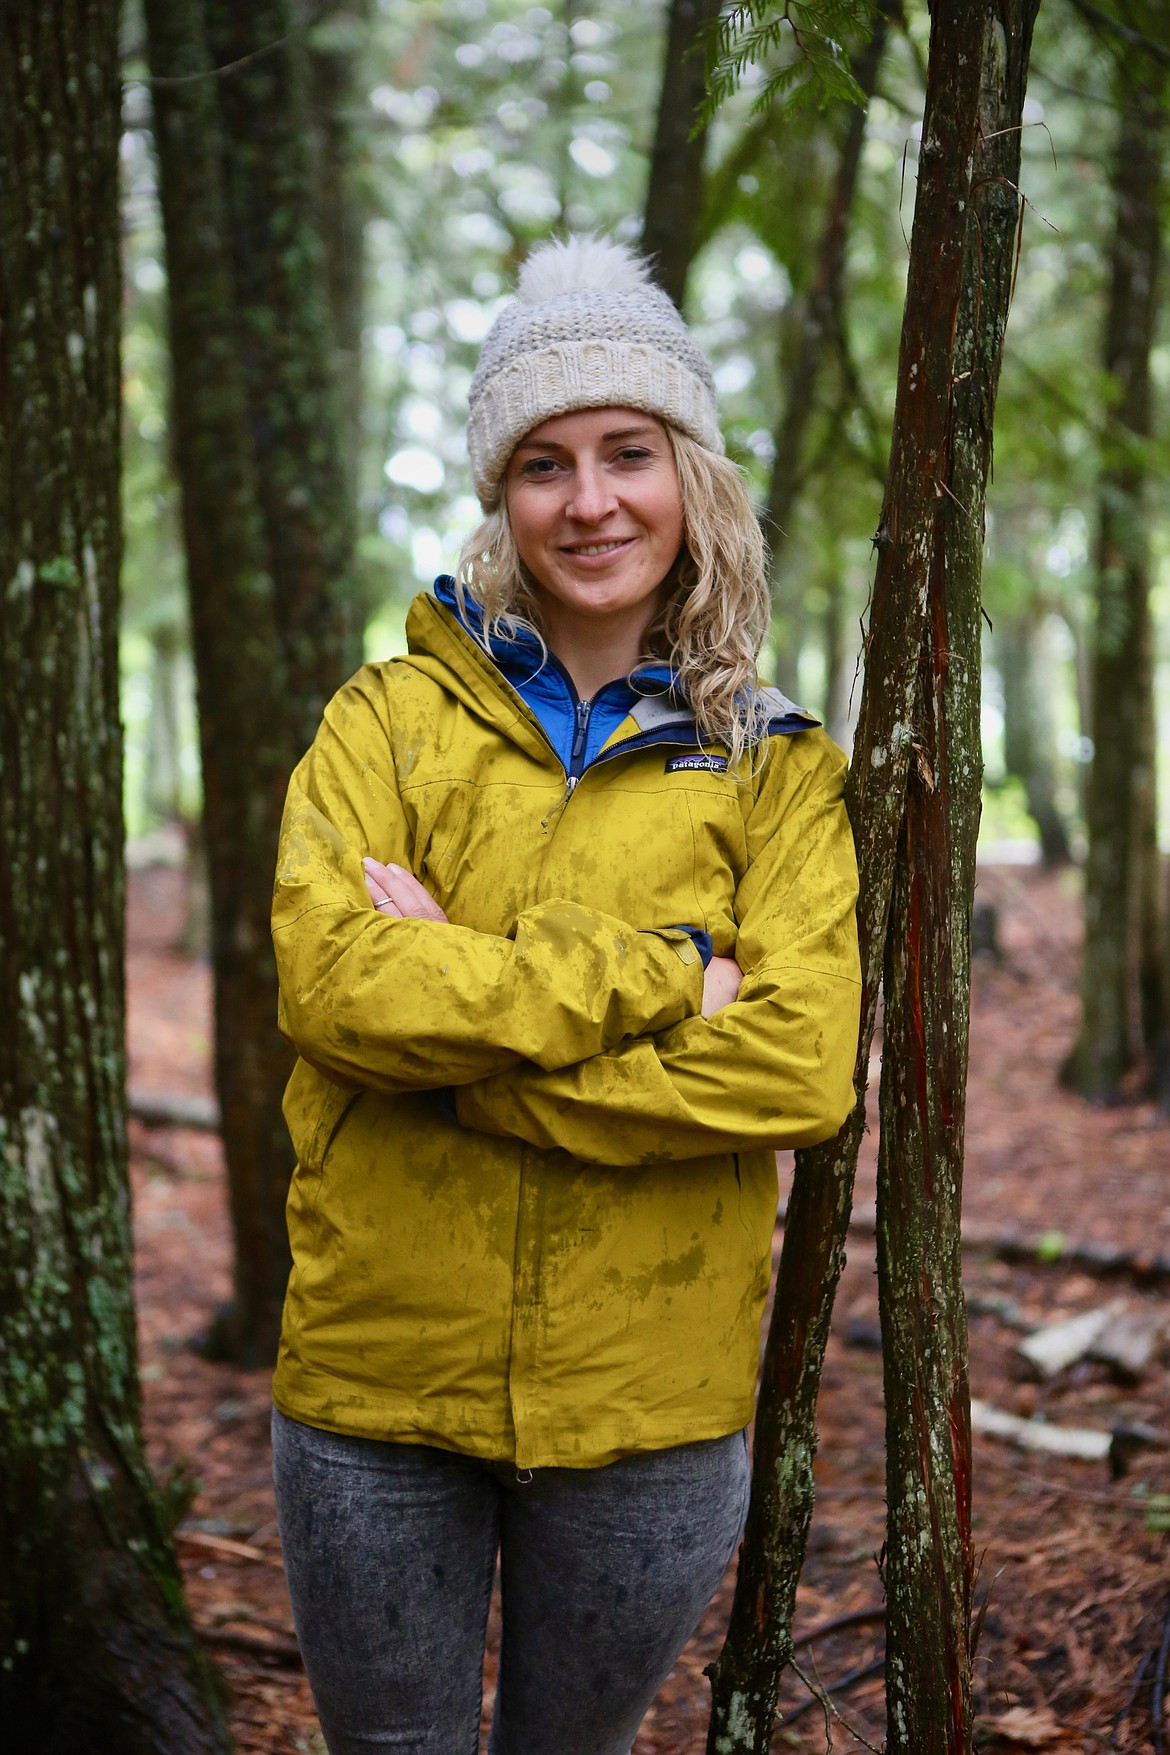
x=596 y=550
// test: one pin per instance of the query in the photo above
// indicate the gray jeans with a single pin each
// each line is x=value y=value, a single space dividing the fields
x=390 y=1551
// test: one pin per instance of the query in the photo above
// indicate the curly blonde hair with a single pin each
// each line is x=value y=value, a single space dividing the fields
x=716 y=617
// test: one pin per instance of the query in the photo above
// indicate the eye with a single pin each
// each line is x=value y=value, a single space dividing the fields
x=635 y=454
x=539 y=466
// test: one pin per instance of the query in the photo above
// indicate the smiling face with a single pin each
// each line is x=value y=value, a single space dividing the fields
x=596 y=515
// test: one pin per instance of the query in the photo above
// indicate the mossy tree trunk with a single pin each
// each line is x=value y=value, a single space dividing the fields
x=96 y=1651
x=1121 y=703
x=670 y=229
x=268 y=533
x=915 y=774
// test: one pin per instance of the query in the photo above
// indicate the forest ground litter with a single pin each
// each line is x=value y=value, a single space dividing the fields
x=1074 y=1564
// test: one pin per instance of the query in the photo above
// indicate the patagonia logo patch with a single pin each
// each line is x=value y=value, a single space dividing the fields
x=696 y=764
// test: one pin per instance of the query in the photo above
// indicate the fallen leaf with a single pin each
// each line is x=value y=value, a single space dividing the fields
x=1030 y=1727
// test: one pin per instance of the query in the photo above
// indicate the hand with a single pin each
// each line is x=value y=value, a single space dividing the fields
x=721 y=979
x=398 y=895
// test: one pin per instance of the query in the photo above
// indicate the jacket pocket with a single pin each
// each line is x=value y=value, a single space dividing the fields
x=314 y=1109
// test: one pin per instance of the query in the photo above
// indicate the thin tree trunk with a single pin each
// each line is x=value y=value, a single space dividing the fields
x=1027 y=748
x=98 y=1653
x=929 y=1556
x=670 y=229
x=1121 y=673
x=245 y=724
x=834 y=709
x=163 y=781
x=925 y=549
x=1160 y=1047
x=1152 y=927
x=808 y=329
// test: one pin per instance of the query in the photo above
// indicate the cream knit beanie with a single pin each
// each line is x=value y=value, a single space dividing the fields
x=587 y=329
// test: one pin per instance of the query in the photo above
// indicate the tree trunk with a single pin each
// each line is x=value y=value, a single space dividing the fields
x=1027 y=748
x=1121 y=673
x=99 y=1655
x=928 y=569
x=269 y=529
x=806 y=333
x=1152 y=929
x=341 y=203
x=163 y=775
x=245 y=725
x=670 y=229
x=929 y=1556
x=284 y=334
x=835 y=710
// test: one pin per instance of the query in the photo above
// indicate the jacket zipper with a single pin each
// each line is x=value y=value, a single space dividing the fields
x=580 y=734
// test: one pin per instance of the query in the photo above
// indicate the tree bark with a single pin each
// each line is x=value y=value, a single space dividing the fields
x=99 y=1655
x=285 y=339
x=929 y=1555
x=807 y=330
x=670 y=229
x=246 y=729
x=1121 y=675
x=268 y=515
x=918 y=719
x=341 y=203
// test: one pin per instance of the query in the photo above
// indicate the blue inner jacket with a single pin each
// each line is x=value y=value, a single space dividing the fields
x=577 y=729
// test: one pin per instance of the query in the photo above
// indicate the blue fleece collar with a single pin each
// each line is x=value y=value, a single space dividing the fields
x=577 y=730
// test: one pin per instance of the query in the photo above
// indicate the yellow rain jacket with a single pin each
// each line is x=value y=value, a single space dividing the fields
x=533 y=1209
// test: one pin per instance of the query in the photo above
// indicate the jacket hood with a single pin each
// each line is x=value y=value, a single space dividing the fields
x=511 y=689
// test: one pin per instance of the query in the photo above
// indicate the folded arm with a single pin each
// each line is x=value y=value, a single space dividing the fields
x=774 y=1068
x=400 y=1003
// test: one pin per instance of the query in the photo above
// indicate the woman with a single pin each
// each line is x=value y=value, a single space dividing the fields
x=564 y=921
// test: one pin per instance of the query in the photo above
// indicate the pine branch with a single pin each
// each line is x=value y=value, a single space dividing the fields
x=816 y=31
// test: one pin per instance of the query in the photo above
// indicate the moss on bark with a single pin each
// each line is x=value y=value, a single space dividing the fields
x=98 y=1653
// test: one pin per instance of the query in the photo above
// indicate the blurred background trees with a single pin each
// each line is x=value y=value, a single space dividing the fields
x=431 y=144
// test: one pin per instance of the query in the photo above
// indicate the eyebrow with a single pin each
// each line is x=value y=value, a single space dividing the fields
x=606 y=439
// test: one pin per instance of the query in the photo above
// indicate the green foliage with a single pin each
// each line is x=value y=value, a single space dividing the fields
x=1157 y=1510
x=801 y=44
x=485 y=125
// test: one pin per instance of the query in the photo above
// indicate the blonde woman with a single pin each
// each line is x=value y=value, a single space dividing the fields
x=565 y=924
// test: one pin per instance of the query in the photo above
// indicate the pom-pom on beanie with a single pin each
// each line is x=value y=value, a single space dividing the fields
x=587 y=329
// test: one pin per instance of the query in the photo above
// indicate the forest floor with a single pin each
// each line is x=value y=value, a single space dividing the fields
x=1072 y=1563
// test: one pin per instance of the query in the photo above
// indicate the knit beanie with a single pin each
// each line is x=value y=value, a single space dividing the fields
x=587 y=329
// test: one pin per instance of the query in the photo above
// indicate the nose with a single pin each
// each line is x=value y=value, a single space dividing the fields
x=591 y=497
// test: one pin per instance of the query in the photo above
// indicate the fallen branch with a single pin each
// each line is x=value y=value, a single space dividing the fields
x=285 y=1651
x=821 y=1696
x=1051 y=1250
x=220 y=1545
x=174 y=1109
x=1082 y=1443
